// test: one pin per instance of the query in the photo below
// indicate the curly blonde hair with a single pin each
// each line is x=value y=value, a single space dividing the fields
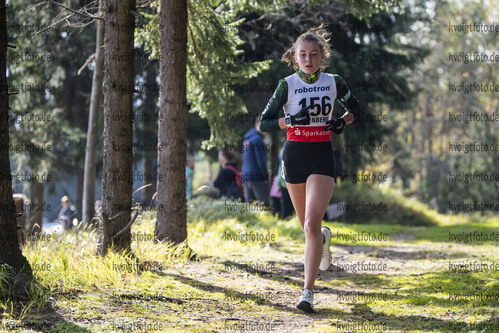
x=318 y=35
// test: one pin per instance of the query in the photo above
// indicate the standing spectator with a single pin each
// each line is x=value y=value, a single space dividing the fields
x=67 y=213
x=226 y=181
x=189 y=174
x=254 y=173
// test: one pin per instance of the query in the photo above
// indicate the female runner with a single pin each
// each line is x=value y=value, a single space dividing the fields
x=308 y=166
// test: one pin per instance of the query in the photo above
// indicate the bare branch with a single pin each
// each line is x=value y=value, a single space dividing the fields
x=115 y=216
x=143 y=187
x=89 y=60
x=77 y=12
x=53 y=24
x=136 y=213
x=146 y=4
x=135 y=13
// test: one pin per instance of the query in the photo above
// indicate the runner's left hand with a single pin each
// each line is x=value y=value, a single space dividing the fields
x=336 y=125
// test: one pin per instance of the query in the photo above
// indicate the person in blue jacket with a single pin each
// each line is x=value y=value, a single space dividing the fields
x=254 y=170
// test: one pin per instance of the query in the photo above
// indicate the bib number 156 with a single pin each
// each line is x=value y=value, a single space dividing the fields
x=322 y=107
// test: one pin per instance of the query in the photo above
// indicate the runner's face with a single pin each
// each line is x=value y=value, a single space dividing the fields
x=308 y=56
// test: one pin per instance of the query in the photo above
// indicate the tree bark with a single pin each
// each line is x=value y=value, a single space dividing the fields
x=150 y=130
x=118 y=132
x=172 y=125
x=93 y=118
x=11 y=257
x=36 y=207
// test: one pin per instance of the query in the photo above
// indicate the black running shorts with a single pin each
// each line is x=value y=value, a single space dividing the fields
x=302 y=159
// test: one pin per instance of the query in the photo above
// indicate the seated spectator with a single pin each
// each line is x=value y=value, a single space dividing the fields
x=226 y=181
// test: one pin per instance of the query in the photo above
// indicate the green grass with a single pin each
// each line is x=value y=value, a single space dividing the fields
x=250 y=273
x=364 y=202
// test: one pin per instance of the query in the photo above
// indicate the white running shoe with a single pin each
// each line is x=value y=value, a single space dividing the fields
x=306 y=301
x=326 y=252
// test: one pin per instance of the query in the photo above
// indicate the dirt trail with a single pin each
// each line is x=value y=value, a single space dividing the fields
x=277 y=287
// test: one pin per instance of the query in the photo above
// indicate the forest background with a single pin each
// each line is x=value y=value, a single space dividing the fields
x=411 y=67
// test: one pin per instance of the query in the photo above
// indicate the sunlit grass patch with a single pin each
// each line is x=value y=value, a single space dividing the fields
x=482 y=233
x=369 y=204
x=216 y=231
x=69 y=260
x=472 y=297
x=363 y=203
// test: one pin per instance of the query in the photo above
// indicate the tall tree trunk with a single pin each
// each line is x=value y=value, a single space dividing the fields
x=36 y=208
x=10 y=253
x=93 y=118
x=118 y=132
x=75 y=112
x=148 y=174
x=80 y=121
x=172 y=131
x=149 y=129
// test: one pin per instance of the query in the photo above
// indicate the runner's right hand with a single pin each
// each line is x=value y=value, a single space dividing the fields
x=302 y=117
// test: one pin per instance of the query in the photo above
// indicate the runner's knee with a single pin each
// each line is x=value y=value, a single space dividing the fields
x=312 y=227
